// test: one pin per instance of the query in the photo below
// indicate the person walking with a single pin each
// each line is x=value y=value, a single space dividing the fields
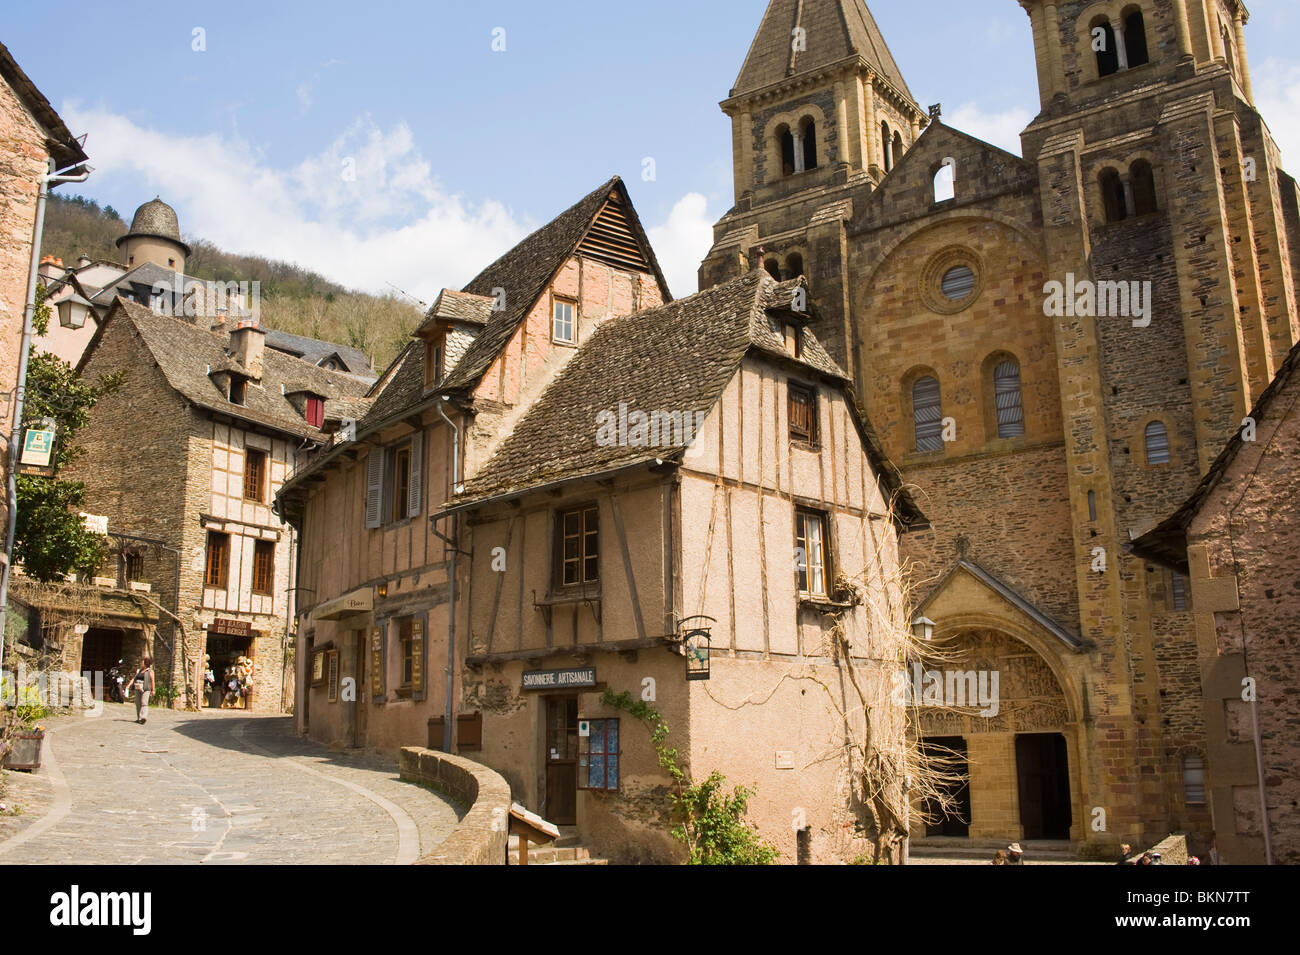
x=143 y=686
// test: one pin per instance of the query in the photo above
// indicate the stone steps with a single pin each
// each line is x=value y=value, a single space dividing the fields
x=563 y=851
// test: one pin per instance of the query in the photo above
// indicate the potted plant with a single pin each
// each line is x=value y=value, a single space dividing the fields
x=22 y=749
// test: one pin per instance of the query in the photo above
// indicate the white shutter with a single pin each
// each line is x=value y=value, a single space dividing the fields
x=417 y=472
x=374 y=486
x=1006 y=391
x=927 y=415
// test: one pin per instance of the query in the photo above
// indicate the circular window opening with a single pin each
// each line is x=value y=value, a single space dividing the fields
x=958 y=283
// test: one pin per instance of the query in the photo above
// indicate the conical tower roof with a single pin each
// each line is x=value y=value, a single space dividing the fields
x=155 y=219
x=834 y=30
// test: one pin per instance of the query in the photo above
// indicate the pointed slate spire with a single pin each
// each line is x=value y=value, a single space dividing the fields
x=832 y=31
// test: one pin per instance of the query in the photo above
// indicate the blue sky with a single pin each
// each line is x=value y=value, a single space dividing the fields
x=459 y=150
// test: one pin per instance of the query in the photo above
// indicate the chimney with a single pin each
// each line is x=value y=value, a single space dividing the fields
x=247 y=346
x=83 y=260
x=219 y=322
x=51 y=268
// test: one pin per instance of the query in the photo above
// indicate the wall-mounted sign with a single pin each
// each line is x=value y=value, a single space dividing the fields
x=559 y=679
x=38 y=448
x=231 y=628
x=95 y=523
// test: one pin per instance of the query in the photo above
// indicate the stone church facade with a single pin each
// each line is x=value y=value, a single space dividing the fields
x=1040 y=436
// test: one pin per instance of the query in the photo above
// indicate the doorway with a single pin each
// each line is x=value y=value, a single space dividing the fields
x=223 y=655
x=560 y=804
x=949 y=752
x=101 y=648
x=1043 y=774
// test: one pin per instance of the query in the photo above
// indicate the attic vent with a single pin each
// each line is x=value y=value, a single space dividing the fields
x=611 y=240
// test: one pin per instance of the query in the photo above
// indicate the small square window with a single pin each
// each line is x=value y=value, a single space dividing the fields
x=563 y=329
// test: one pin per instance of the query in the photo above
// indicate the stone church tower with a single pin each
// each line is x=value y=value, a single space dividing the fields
x=1042 y=434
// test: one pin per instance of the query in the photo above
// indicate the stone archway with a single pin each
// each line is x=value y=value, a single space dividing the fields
x=1019 y=734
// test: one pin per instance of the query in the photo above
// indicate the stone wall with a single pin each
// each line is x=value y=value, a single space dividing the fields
x=482 y=835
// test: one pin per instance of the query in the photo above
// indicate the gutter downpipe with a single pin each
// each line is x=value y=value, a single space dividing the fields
x=52 y=177
x=451 y=582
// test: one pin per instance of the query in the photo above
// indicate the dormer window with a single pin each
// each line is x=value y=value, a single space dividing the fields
x=315 y=411
x=793 y=340
x=434 y=362
x=238 y=389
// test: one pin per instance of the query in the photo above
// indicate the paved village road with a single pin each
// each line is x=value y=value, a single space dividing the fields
x=217 y=788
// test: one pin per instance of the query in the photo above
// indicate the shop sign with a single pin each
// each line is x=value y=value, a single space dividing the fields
x=559 y=679
x=231 y=628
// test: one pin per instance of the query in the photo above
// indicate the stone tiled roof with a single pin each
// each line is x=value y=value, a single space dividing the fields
x=835 y=29
x=1166 y=543
x=63 y=146
x=155 y=218
x=676 y=358
x=456 y=306
x=187 y=354
x=526 y=270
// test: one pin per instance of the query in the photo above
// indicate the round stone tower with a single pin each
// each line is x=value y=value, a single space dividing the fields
x=155 y=236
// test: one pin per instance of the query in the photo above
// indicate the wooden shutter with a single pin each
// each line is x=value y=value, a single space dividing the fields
x=927 y=414
x=417 y=658
x=377 y=663
x=417 y=472
x=374 y=487
x=1006 y=391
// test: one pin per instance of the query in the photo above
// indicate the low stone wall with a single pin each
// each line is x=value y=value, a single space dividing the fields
x=481 y=836
x=1172 y=849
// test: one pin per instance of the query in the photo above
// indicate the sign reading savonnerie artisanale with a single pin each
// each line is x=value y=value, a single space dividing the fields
x=559 y=679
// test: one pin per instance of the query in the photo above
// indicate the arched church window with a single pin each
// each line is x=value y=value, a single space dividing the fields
x=886 y=146
x=1103 y=45
x=773 y=268
x=927 y=414
x=1006 y=396
x=1135 y=39
x=897 y=151
x=786 y=140
x=793 y=265
x=1112 y=196
x=945 y=183
x=809 y=144
x=1157 y=442
x=1143 y=179
x=1226 y=35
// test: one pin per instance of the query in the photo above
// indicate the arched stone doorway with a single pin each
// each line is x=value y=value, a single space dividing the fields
x=1017 y=734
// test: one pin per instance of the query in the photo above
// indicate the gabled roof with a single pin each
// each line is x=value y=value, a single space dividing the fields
x=676 y=358
x=453 y=306
x=187 y=354
x=63 y=146
x=836 y=29
x=525 y=271
x=1006 y=593
x=316 y=351
x=1166 y=543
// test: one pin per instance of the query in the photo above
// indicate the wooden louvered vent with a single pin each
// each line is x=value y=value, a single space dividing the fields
x=610 y=239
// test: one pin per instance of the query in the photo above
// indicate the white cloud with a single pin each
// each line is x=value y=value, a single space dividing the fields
x=366 y=211
x=1001 y=129
x=1277 y=96
x=682 y=242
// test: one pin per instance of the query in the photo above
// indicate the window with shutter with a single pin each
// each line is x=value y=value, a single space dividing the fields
x=255 y=475
x=415 y=479
x=1157 y=441
x=315 y=413
x=1006 y=393
x=1194 y=780
x=374 y=487
x=217 y=570
x=802 y=413
x=1178 y=592
x=927 y=415
x=263 y=567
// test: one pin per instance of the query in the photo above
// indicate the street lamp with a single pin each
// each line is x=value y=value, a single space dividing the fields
x=73 y=311
x=923 y=628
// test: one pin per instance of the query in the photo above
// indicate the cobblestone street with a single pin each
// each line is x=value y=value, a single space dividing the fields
x=218 y=788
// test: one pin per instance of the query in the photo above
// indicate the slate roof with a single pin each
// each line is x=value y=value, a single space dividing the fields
x=836 y=29
x=526 y=270
x=676 y=358
x=185 y=353
x=453 y=306
x=1166 y=543
x=315 y=350
x=157 y=219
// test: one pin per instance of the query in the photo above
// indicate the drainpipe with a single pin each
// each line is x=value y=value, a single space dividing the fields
x=448 y=714
x=52 y=177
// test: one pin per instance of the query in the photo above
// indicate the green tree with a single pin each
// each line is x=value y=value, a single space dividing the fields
x=50 y=539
